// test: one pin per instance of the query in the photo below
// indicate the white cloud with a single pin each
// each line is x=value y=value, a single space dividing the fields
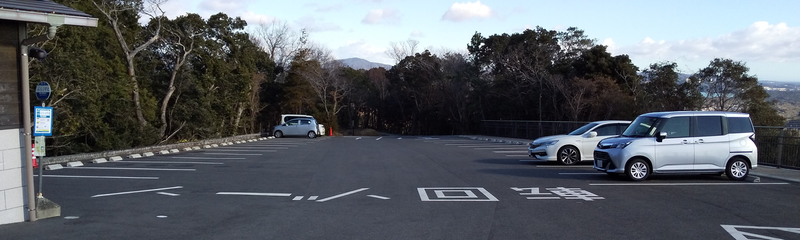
x=362 y=49
x=255 y=19
x=313 y=25
x=465 y=11
x=760 y=41
x=382 y=16
x=417 y=34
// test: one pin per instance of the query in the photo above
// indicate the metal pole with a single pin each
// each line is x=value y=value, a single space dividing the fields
x=26 y=122
x=780 y=147
x=41 y=158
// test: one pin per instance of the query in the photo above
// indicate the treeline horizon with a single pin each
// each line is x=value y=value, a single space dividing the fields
x=122 y=84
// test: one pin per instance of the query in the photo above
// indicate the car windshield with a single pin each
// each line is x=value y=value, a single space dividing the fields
x=642 y=127
x=583 y=129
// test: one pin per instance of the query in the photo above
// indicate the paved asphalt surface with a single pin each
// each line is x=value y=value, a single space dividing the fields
x=397 y=188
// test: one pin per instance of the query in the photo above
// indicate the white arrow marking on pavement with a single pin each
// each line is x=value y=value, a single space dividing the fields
x=342 y=195
x=140 y=191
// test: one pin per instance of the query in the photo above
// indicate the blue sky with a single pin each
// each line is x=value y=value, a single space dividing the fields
x=764 y=34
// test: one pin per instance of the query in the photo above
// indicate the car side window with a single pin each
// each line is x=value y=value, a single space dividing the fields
x=606 y=130
x=739 y=125
x=305 y=122
x=709 y=126
x=292 y=123
x=677 y=127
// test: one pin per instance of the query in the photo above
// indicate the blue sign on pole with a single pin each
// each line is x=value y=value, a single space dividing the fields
x=43 y=91
x=43 y=124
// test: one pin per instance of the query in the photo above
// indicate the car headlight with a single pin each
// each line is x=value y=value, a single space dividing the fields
x=602 y=145
x=549 y=143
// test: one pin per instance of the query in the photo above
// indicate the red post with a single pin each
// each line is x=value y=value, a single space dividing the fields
x=33 y=155
x=330 y=133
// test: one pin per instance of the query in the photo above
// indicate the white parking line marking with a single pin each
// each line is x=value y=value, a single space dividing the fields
x=243 y=150
x=577 y=173
x=134 y=169
x=473 y=144
x=517 y=156
x=312 y=198
x=342 y=195
x=140 y=191
x=358 y=138
x=256 y=194
x=100 y=177
x=297 y=198
x=238 y=154
x=165 y=162
x=681 y=184
x=499 y=148
x=378 y=138
x=510 y=151
x=541 y=161
x=378 y=197
x=565 y=166
x=169 y=194
x=209 y=158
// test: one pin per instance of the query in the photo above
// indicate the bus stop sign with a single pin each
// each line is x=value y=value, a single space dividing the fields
x=43 y=91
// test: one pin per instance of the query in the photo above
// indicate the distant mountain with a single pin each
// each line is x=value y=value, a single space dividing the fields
x=358 y=63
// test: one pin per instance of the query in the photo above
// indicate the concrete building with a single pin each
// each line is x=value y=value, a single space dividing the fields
x=16 y=174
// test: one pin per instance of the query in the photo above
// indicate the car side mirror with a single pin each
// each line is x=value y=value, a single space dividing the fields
x=591 y=134
x=661 y=136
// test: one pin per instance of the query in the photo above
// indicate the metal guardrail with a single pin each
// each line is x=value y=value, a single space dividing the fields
x=89 y=156
x=527 y=129
x=777 y=146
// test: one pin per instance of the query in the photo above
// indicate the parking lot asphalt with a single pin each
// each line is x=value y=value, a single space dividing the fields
x=397 y=187
x=785 y=174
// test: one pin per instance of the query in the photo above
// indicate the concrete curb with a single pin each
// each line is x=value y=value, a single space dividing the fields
x=776 y=177
x=126 y=152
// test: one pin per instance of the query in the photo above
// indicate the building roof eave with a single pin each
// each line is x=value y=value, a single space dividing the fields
x=47 y=18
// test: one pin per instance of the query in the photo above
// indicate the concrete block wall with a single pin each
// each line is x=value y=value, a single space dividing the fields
x=12 y=177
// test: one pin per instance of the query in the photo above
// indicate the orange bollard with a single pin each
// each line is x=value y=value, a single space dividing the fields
x=330 y=133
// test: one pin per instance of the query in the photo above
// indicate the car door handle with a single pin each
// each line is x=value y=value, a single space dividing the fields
x=700 y=141
x=685 y=141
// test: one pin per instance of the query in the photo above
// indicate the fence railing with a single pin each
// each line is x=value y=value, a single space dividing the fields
x=777 y=146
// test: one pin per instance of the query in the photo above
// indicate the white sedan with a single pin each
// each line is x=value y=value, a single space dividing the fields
x=576 y=146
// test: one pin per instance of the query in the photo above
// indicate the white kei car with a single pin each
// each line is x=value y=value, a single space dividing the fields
x=576 y=146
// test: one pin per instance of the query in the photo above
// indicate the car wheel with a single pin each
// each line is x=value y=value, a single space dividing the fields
x=637 y=169
x=278 y=134
x=568 y=155
x=312 y=134
x=737 y=169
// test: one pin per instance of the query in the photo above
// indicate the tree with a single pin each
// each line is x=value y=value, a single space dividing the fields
x=728 y=87
x=122 y=16
x=178 y=45
x=666 y=94
x=400 y=50
x=281 y=43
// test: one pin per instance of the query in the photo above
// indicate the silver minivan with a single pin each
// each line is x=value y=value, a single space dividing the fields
x=695 y=142
x=297 y=127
